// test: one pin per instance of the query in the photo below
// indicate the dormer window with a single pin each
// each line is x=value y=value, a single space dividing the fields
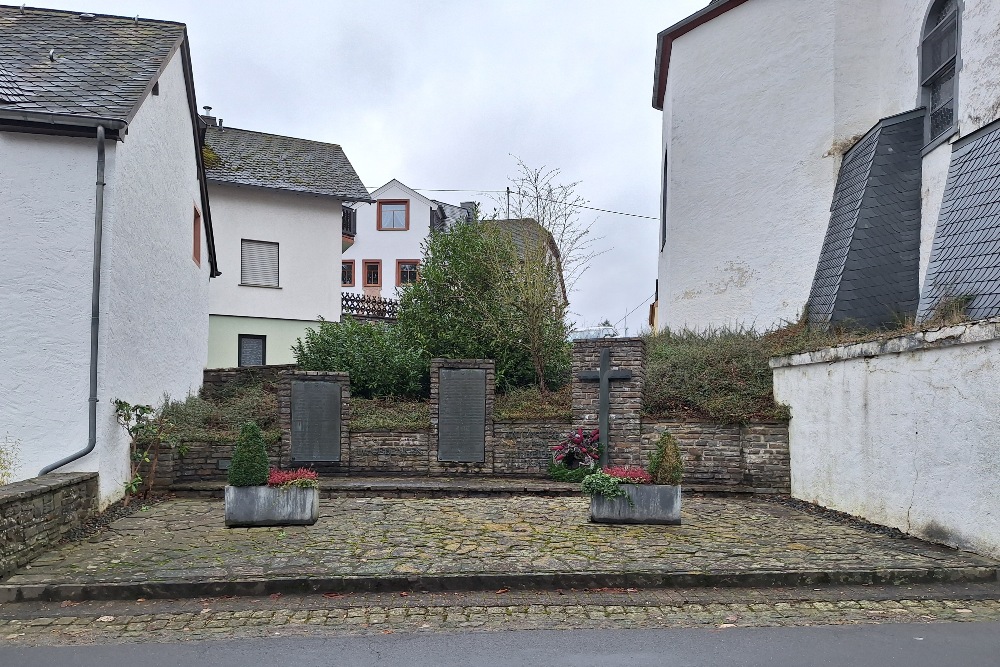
x=938 y=70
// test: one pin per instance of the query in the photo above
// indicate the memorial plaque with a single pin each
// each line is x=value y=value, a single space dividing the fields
x=462 y=415
x=315 y=421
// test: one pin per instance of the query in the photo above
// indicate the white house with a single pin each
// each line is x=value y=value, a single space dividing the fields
x=807 y=149
x=386 y=253
x=281 y=225
x=109 y=251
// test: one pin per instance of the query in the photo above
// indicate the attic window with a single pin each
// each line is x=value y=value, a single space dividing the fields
x=156 y=88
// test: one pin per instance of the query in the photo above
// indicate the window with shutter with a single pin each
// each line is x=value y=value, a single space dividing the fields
x=260 y=263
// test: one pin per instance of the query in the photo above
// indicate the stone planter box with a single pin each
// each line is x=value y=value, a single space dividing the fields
x=651 y=503
x=271 y=506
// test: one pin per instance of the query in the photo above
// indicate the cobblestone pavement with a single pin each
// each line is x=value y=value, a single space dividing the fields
x=185 y=540
x=359 y=614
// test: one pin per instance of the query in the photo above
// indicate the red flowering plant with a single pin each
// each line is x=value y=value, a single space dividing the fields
x=303 y=478
x=629 y=474
x=579 y=449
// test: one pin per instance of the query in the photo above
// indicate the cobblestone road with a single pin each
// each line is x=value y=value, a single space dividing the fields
x=185 y=540
x=359 y=614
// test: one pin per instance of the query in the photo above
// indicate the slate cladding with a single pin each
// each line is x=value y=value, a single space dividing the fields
x=101 y=66
x=868 y=270
x=965 y=257
x=243 y=157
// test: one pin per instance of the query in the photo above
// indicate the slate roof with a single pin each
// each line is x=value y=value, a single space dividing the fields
x=101 y=67
x=965 y=257
x=258 y=159
x=868 y=270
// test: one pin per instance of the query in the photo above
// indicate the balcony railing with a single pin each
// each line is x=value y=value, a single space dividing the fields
x=349 y=222
x=364 y=307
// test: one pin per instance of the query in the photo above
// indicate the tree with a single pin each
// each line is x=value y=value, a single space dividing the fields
x=535 y=193
x=478 y=297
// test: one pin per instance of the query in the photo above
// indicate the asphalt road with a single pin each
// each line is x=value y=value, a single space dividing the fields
x=916 y=645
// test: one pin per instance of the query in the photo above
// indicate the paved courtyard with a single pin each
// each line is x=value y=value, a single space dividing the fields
x=184 y=540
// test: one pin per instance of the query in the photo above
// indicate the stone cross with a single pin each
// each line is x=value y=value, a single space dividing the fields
x=605 y=375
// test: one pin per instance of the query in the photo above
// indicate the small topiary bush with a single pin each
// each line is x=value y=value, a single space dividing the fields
x=249 y=466
x=666 y=465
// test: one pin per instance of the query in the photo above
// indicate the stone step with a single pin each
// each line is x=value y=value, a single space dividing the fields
x=446 y=487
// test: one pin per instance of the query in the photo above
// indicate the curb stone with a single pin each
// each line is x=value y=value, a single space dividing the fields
x=487 y=582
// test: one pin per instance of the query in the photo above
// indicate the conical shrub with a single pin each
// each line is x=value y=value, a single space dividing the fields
x=249 y=466
x=666 y=465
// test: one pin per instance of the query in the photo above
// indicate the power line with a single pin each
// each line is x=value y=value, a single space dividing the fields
x=552 y=201
x=615 y=325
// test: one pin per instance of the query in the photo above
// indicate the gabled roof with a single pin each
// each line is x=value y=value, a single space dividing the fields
x=258 y=159
x=399 y=184
x=93 y=65
x=665 y=41
x=526 y=231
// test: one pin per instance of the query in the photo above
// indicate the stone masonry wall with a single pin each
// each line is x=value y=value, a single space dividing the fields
x=625 y=415
x=285 y=419
x=752 y=457
x=36 y=513
x=216 y=381
x=525 y=447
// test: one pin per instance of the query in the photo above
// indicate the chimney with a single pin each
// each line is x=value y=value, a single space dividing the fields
x=208 y=117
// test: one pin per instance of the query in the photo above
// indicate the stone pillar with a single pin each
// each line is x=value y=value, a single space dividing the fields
x=285 y=420
x=625 y=414
x=434 y=465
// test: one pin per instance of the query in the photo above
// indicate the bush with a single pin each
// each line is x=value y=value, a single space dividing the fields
x=602 y=484
x=560 y=473
x=249 y=465
x=380 y=359
x=468 y=304
x=302 y=478
x=628 y=474
x=666 y=465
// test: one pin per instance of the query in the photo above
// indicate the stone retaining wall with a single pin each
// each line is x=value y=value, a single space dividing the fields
x=36 y=513
x=218 y=381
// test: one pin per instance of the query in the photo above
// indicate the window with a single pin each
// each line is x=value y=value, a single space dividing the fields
x=394 y=215
x=196 y=245
x=347 y=273
x=252 y=350
x=373 y=273
x=406 y=271
x=938 y=73
x=260 y=263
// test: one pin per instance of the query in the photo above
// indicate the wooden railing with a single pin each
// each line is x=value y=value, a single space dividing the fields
x=363 y=307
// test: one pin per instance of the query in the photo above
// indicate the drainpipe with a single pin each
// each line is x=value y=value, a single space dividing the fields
x=95 y=313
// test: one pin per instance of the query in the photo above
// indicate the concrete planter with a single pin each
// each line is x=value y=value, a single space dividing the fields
x=271 y=506
x=651 y=503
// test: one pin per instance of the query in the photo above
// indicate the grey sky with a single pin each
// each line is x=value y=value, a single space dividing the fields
x=440 y=94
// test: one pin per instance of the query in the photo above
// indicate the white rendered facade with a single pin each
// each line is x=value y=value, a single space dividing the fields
x=154 y=296
x=759 y=104
x=390 y=247
x=307 y=231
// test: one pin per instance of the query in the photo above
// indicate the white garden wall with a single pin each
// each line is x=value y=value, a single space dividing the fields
x=904 y=433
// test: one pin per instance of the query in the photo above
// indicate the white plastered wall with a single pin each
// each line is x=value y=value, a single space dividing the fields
x=47 y=196
x=760 y=105
x=906 y=439
x=750 y=118
x=307 y=230
x=385 y=245
x=154 y=298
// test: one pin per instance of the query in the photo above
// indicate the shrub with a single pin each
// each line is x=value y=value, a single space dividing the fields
x=302 y=478
x=530 y=403
x=380 y=359
x=249 y=465
x=666 y=465
x=470 y=304
x=560 y=473
x=389 y=414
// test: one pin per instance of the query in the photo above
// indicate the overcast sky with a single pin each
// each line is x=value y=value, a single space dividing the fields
x=441 y=94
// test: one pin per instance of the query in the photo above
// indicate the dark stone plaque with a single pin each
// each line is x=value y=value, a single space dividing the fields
x=315 y=421
x=462 y=415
